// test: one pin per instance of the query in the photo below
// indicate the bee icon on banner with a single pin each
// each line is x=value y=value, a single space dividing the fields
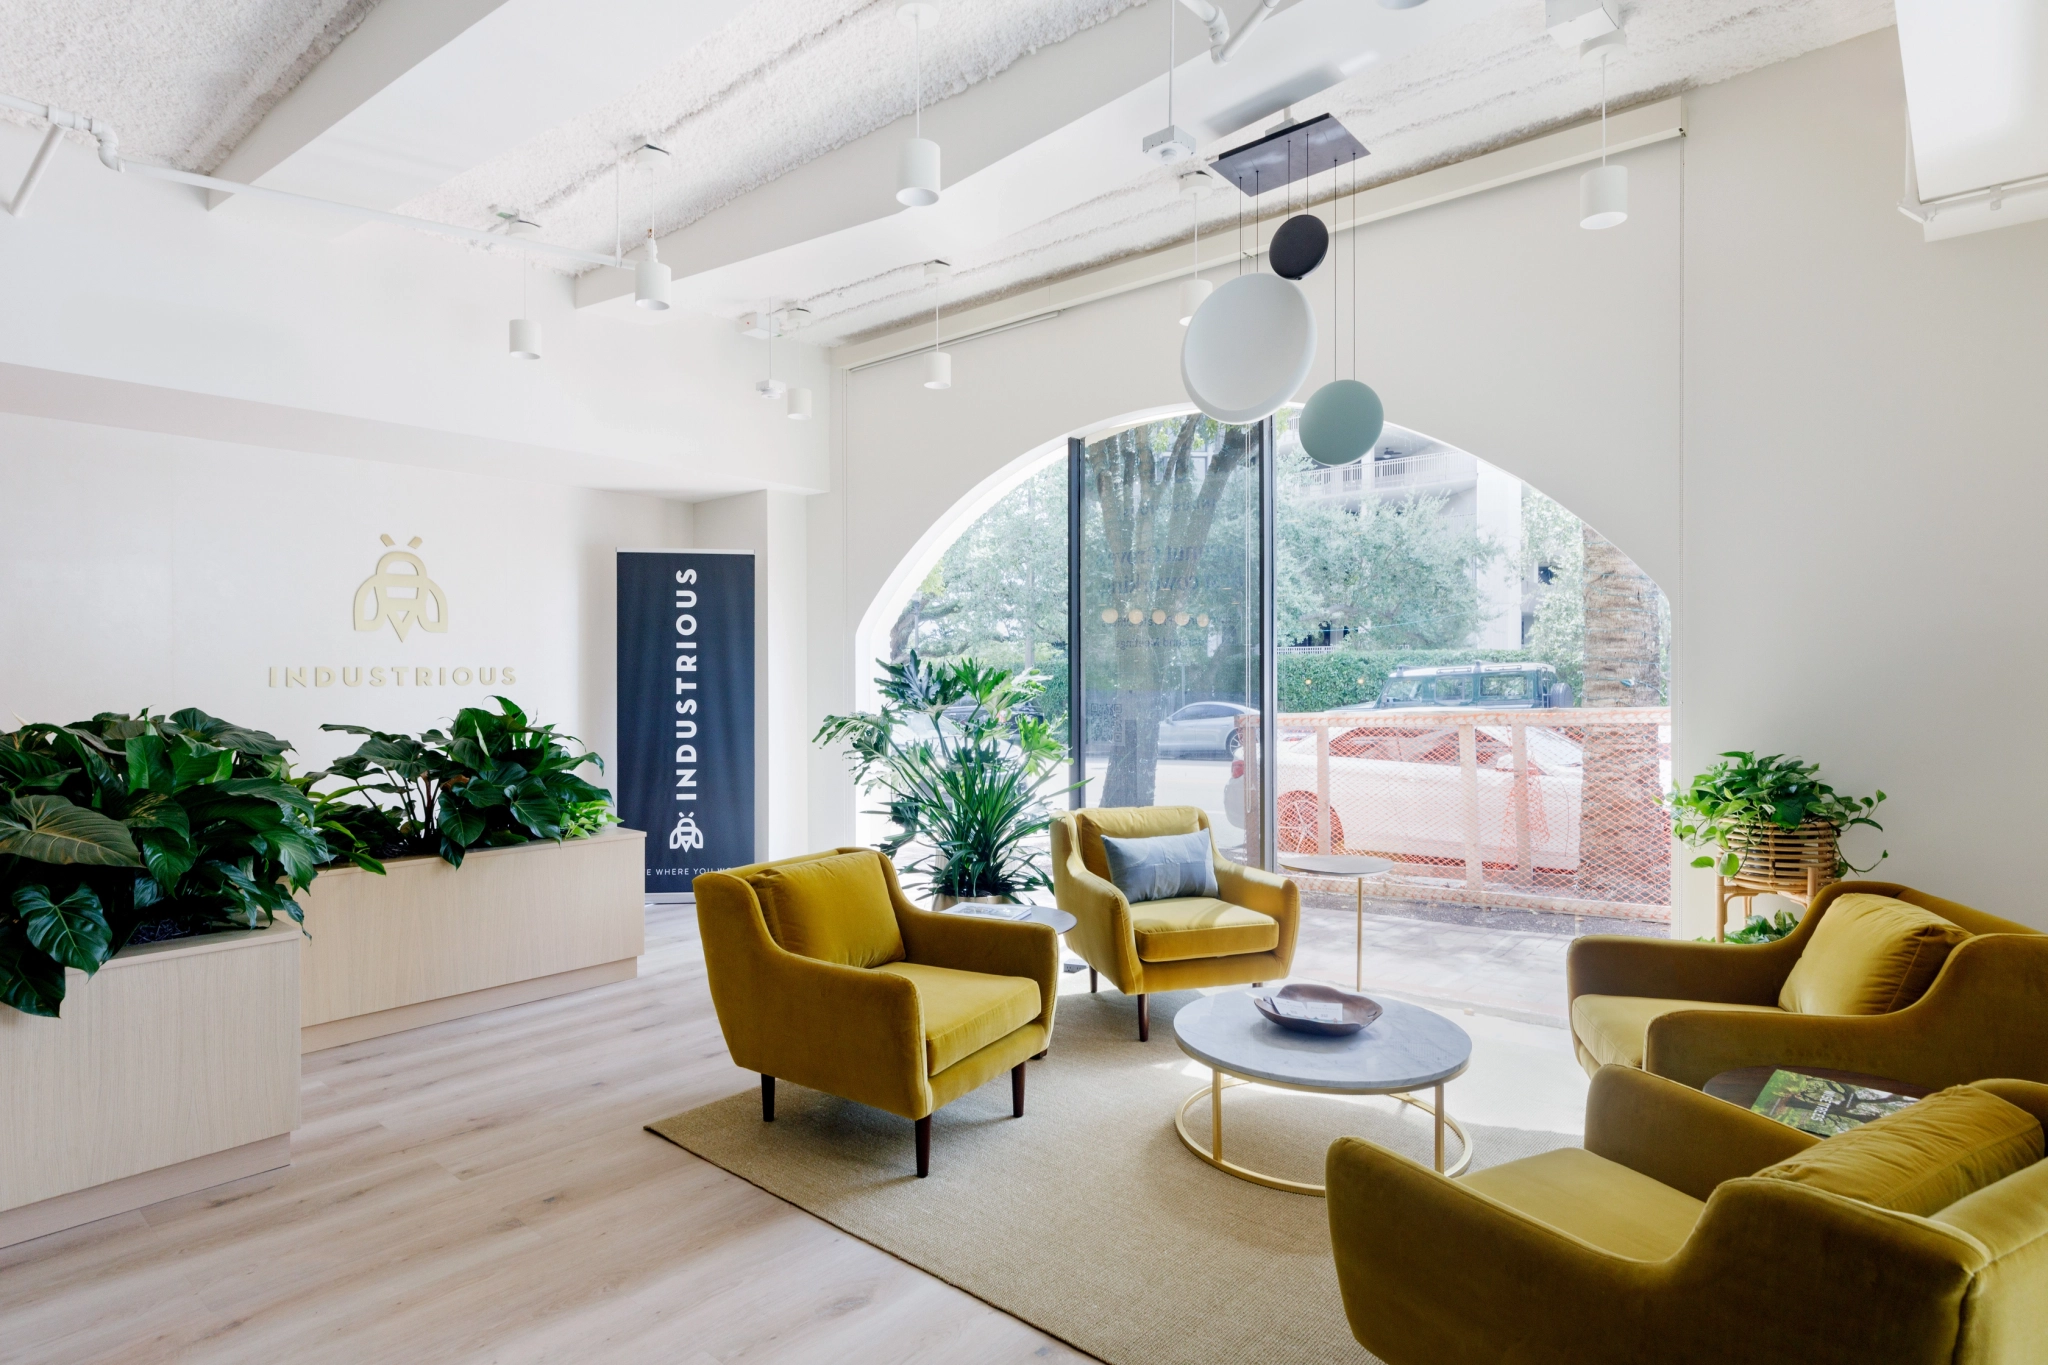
x=686 y=837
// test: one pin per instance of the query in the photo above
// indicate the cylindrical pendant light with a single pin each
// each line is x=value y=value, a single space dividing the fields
x=799 y=405
x=650 y=281
x=938 y=366
x=1603 y=191
x=917 y=166
x=525 y=339
x=1195 y=186
x=525 y=332
x=1603 y=197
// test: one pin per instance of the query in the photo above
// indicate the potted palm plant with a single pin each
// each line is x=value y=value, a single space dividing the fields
x=1775 y=826
x=963 y=758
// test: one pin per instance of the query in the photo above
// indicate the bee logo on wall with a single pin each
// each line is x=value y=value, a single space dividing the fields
x=400 y=592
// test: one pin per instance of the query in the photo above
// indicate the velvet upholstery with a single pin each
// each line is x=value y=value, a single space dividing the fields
x=873 y=1034
x=1924 y=1157
x=1979 y=1017
x=1188 y=943
x=1870 y=955
x=834 y=909
x=1511 y=1265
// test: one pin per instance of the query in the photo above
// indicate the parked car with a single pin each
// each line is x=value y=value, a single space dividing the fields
x=1204 y=727
x=1474 y=687
x=1399 y=791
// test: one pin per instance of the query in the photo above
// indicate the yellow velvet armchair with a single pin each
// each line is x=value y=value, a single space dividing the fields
x=1690 y=1231
x=1693 y=1010
x=823 y=973
x=1243 y=935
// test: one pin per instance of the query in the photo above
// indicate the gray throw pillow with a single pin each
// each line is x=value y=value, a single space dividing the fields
x=1161 y=868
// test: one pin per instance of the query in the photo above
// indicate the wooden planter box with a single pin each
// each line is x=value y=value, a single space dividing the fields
x=174 y=1068
x=428 y=942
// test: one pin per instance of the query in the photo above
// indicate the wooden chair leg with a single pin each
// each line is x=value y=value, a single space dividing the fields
x=767 y=1099
x=1144 y=1019
x=924 y=1146
x=1017 y=1091
x=1091 y=981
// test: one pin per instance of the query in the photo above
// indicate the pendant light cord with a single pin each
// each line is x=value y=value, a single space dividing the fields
x=1354 y=266
x=1172 y=28
x=1603 y=109
x=917 y=60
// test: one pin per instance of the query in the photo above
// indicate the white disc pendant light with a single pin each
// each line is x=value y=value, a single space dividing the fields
x=1344 y=418
x=917 y=166
x=1248 y=348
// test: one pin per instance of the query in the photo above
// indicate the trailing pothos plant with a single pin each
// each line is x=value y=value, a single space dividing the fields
x=962 y=758
x=1744 y=793
x=116 y=821
x=490 y=779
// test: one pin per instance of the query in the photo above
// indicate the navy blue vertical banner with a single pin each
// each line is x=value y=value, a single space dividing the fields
x=685 y=763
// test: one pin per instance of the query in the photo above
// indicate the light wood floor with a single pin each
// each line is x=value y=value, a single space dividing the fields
x=482 y=1190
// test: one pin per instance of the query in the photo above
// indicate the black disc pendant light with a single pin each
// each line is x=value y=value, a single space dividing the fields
x=1299 y=246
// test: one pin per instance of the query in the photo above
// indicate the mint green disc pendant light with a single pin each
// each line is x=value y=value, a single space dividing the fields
x=1344 y=418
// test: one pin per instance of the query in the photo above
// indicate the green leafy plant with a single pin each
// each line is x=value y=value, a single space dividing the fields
x=491 y=779
x=962 y=757
x=1759 y=929
x=113 y=822
x=1745 y=793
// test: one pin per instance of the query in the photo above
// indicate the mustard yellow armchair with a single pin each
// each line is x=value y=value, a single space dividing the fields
x=1243 y=935
x=823 y=973
x=1689 y=1231
x=1693 y=1010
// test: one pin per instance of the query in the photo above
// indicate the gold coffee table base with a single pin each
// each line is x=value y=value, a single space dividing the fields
x=1219 y=1082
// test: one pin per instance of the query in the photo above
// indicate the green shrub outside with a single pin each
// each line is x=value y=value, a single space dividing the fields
x=1323 y=682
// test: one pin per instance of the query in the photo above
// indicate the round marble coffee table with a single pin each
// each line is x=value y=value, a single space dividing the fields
x=1407 y=1048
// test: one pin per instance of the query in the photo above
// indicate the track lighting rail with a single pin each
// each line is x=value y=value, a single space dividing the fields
x=109 y=151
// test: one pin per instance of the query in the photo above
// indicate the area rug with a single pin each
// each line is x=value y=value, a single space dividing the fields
x=1087 y=1218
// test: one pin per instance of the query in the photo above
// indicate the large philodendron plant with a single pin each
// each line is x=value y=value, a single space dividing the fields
x=963 y=759
x=113 y=822
x=490 y=779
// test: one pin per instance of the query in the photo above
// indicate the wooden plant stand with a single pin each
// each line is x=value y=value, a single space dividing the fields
x=1793 y=863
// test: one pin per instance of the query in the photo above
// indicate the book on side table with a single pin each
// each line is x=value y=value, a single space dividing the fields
x=1011 y=912
x=1824 y=1107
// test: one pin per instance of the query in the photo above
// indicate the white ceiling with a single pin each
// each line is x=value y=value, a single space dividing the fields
x=783 y=115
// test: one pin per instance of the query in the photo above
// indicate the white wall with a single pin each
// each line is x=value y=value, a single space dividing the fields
x=1864 y=476
x=772 y=527
x=382 y=343
x=1813 y=429
x=145 y=570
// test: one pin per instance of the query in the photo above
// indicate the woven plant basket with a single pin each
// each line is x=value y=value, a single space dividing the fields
x=1790 y=862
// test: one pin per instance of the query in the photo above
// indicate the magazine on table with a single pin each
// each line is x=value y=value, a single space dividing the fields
x=1817 y=1105
x=1315 y=1011
x=1013 y=912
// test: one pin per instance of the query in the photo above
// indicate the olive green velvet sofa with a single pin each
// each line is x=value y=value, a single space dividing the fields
x=824 y=974
x=1690 y=1231
x=1242 y=935
x=1930 y=1006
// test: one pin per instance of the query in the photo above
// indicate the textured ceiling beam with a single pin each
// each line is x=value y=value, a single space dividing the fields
x=392 y=39
x=980 y=126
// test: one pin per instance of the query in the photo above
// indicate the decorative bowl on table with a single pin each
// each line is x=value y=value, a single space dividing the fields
x=1305 y=1007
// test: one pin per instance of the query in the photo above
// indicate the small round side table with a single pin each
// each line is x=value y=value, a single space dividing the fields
x=1356 y=866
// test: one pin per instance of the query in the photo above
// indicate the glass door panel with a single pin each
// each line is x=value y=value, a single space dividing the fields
x=1169 y=617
